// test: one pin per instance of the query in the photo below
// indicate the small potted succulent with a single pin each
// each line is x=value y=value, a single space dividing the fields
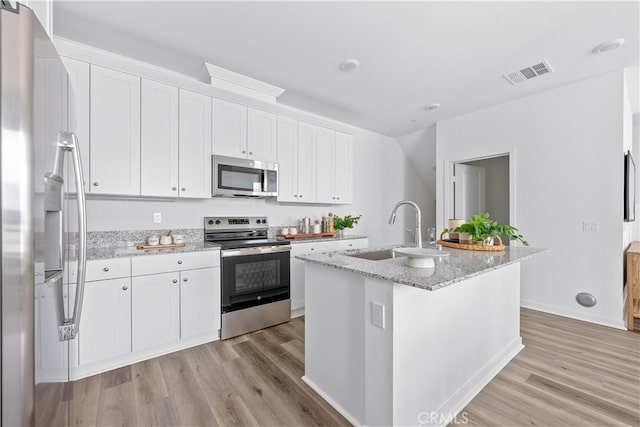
x=483 y=230
x=341 y=223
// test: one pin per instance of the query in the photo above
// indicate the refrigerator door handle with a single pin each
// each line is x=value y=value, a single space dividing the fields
x=67 y=141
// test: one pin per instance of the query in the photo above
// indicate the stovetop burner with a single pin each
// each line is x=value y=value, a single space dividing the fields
x=239 y=232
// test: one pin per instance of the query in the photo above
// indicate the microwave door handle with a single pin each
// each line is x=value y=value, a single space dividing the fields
x=69 y=329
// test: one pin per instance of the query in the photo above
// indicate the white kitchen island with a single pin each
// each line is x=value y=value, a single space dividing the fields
x=387 y=344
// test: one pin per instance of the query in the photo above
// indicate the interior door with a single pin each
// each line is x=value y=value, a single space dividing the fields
x=469 y=190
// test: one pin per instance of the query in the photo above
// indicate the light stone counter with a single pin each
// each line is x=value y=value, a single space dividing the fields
x=128 y=251
x=326 y=239
x=459 y=265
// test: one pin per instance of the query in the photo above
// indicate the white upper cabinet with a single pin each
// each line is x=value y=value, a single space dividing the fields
x=78 y=117
x=307 y=135
x=287 y=159
x=239 y=131
x=229 y=128
x=343 y=168
x=262 y=133
x=115 y=132
x=159 y=140
x=325 y=159
x=195 y=145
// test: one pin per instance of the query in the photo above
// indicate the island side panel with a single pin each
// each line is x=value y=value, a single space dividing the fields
x=449 y=343
x=334 y=338
x=379 y=354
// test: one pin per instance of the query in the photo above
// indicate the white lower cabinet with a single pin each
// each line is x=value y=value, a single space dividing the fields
x=137 y=308
x=172 y=306
x=298 y=266
x=155 y=300
x=199 y=302
x=105 y=324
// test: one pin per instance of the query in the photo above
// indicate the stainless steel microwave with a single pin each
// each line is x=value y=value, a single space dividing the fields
x=235 y=177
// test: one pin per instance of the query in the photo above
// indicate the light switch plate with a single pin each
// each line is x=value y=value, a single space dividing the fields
x=377 y=315
x=590 y=226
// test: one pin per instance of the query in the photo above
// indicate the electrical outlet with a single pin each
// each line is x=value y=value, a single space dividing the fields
x=590 y=226
x=377 y=314
x=157 y=217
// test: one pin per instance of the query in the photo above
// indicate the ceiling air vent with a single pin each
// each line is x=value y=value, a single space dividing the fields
x=529 y=73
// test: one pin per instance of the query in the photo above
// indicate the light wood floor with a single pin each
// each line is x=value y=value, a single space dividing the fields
x=570 y=373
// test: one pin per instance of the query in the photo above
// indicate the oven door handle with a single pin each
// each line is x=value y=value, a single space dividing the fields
x=255 y=251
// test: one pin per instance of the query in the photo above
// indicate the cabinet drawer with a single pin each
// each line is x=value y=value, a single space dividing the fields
x=346 y=245
x=113 y=268
x=153 y=264
x=310 y=248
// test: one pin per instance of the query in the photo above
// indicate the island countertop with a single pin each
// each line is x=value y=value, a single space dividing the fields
x=459 y=265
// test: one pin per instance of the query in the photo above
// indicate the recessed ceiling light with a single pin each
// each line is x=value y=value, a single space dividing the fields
x=608 y=46
x=433 y=106
x=349 y=65
x=413 y=120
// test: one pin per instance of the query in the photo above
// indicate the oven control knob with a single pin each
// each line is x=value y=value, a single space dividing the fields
x=210 y=222
x=257 y=221
x=264 y=221
x=217 y=222
x=259 y=297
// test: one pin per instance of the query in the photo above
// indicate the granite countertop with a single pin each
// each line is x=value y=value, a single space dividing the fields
x=121 y=252
x=459 y=265
x=324 y=239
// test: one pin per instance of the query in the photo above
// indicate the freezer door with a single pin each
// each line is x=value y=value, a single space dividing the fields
x=17 y=240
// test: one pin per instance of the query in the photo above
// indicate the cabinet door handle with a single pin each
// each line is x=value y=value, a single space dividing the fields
x=251 y=153
x=244 y=152
x=124 y=288
x=295 y=195
x=96 y=183
x=106 y=269
x=313 y=249
x=300 y=196
x=174 y=188
x=175 y=280
x=179 y=261
x=185 y=280
x=338 y=198
x=183 y=189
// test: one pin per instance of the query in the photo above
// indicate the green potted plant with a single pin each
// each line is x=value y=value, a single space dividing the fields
x=340 y=223
x=483 y=230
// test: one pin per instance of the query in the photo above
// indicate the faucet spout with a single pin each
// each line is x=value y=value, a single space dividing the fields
x=418 y=233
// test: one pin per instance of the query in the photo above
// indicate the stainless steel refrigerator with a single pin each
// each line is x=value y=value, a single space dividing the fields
x=43 y=216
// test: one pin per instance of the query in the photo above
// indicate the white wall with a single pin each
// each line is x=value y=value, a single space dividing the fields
x=380 y=180
x=568 y=145
x=420 y=150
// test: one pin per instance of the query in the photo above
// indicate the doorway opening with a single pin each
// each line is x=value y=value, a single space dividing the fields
x=483 y=185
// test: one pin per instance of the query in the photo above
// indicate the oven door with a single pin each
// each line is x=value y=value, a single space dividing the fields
x=254 y=276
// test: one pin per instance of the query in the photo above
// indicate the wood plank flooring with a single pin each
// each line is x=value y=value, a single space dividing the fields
x=570 y=373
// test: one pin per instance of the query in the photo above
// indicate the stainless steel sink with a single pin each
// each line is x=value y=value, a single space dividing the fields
x=375 y=255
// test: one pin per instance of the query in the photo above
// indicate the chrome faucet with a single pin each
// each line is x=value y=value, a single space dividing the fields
x=392 y=219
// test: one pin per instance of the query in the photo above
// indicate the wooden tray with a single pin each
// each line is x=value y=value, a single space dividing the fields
x=305 y=236
x=497 y=245
x=145 y=247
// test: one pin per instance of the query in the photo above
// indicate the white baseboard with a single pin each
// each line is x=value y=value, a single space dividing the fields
x=462 y=397
x=332 y=402
x=297 y=313
x=561 y=311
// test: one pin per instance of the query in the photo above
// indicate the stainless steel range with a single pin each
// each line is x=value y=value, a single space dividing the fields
x=254 y=274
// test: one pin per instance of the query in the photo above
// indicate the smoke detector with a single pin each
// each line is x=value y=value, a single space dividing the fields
x=349 y=65
x=529 y=73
